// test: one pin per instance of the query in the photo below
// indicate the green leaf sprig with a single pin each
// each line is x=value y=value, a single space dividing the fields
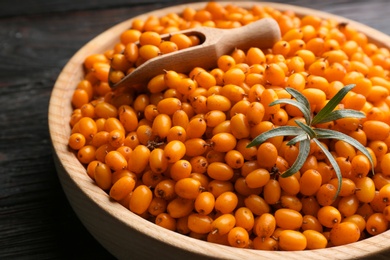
x=304 y=133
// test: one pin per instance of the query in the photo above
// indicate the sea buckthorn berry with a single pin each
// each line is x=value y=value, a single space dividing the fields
x=223 y=142
x=348 y=187
x=291 y=240
x=180 y=207
x=149 y=51
x=169 y=106
x=290 y=202
x=288 y=219
x=267 y=97
x=365 y=189
x=87 y=127
x=204 y=203
x=231 y=88
x=248 y=153
x=384 y=194
x=326 y=194
x=226 y=202
x=217 y=187
x=267 y=155
x=122 y=173
x=199 y=164
x=238 y=237
x=255 y=113
x=225 y=62
x=241 y=107
x=348 y=205
x=139 y=159
x=214 y=117
x=244 y=218
x=234 y=76
x=116 y=161
x=76 y=141
x=344 y=233
x=188 y=188
x=310 y=182
x=223 y=224
x=281 y=47
x=360 y=166
x=218 y=102
x=379 y=148
x=166 y=221
x=255 y=56
x=157 y=161
x=358 y=220
x=256 y=204
x=116 y=138
x=101 y=71
x=196 y=128
x=265 y=225
x=103 y=176
x=274 y=75
x=180 y=169
x=177 y=133
x=243 y=189
x=315 y=239
x=205 y=79
x=174 y=151
x=239 y=126
x=86 y=154
x=130 y=35
x=380 y=180
x=195 y=146
x=122 y=187
x=257 y=178
x=384 y=164
x=220 y=171
x=165 y=189
x=311 y=223
x=329 y=216
x=290 y=184
x=267 y=243
x=234 y=159
x=181 y=40
x=201 y=224
x=272 y=192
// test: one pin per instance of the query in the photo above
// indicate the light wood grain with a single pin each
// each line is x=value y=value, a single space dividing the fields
x=128 y=236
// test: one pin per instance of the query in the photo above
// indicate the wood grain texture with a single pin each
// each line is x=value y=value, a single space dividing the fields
x=37 y=38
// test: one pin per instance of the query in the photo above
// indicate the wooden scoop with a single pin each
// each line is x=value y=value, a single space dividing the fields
x=214 y=43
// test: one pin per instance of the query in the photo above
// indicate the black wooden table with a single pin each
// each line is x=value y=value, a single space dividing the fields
x=37 y=38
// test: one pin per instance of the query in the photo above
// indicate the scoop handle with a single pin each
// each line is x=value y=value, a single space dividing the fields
x=216 y=42
x=262 y=34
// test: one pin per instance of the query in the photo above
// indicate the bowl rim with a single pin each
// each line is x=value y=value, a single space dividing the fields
x=59 y=115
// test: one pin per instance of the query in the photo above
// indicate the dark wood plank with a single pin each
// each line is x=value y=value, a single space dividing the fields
x=37 y=38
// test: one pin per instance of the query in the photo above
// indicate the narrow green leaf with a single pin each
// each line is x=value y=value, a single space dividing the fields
x=341 y=113
x=305 y=111
x=306 y=128
x=333 y=163
x=298 y=139
x=299 y=97
x=304 y=149
x=331 y=134
x=279 y=131
x=330 y=106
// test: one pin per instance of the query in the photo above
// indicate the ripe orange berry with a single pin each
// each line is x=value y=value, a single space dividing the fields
x=291 y=240
x=344 y=233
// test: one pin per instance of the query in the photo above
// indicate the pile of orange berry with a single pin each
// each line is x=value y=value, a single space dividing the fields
x=140 y=47
x=176 y=153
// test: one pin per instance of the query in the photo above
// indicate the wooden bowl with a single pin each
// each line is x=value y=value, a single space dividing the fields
x=128 y=236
